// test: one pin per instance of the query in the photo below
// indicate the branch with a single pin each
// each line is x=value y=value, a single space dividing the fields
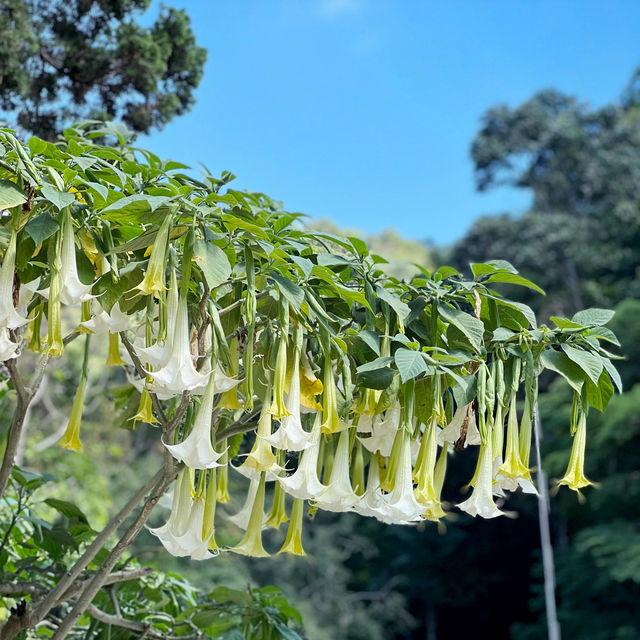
x=15 y=432
x=170 y=426
x=143 y=374
x=22 y=587
x=15 y=624
x=118 y=621
x=241 y=426
x=169 y=474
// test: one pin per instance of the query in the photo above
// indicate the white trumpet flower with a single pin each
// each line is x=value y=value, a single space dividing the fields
x=8 y=348
x=241 y=519
x=304 y=483
x=401 y=502
x=383 y=432
x=291 y=436
x=339 y=495
x=196 y=450
x=170 y=533
x=373 y=503
x=27 y=291
x=178 y=373
x=451 y=433
x=9 y=317
x=72 y=291
x=481 y=503
x=112 y=322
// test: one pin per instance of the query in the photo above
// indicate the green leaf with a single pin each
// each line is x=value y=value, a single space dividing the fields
x=563 y=323
x=10 y=195
x=410 y=363
x=502 y=333
x=600 y=394
x=57 y=198
x=604 y=334
x=469 y=325
x=593 y=317
x=376 y=374
x=613 y=373
x=289 y=289
x=285 y=632
x=371 y=339
x=41 y=227
x=512 y=278
x=393 y=300
x=590 y=363
x=213 y=261
x=67 y=509
x=132 y=208
x=561 y=363
x=359 y=245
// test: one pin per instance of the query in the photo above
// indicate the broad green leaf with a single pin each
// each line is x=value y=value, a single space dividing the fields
x=359 y=245
x=604 y=334
x=564 y=323
x=410 y=363
x=371 y=339
x=131 y=208
x=67 y=509
x=502 y=333
x=590 y=363
x=289 y=289
x=376 y=374
x=600 y=394
x=613 y=373
x=41 y=227
x=57 y=198
x=512 y=278
x=593 y=317
x=468 y=324
x=213 y=261
x=401 y=308
x=10 y=195
x=561 y=363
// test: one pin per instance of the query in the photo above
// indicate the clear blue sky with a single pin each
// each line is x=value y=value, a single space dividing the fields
x=363 y=111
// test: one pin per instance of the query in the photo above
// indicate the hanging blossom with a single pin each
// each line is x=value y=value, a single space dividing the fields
x=241 y=519
x=182 y=535
x=451 y=433
x=261 y=458
x=291 y=435
x=196 y=450
x=401 y=502
x=304 y=483
x=9 y=317
x=574 y=477
x=383 y=432
x=373 y=503
x=251 y=542
x=339 y=495
x=105 y=322
x=72 y=290
x=481 y=503
x=178 y=373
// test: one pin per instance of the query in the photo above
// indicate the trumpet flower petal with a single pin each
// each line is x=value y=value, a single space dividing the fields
x=9 y=317
x=196 y=450
x=481 y=501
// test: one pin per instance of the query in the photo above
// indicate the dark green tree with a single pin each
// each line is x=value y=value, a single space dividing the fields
x=62 y=60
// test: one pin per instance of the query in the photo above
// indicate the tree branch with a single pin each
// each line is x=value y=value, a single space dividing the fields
x=15 y=624
x=169 y=474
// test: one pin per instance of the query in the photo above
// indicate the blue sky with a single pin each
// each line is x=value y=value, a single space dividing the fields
x=363 y=111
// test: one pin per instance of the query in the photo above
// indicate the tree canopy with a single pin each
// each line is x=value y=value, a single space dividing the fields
x=230 y=320
x=65 y=60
